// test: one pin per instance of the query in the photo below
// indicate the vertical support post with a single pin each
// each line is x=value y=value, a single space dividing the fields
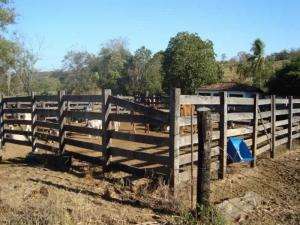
x=273 y=125
x=33 y=122
x=1 y=122
x=192 y=156
x=290 y=133
x=223 y=135
x=174 y=138
x=204 y=155
x=61 y=121
x=106 y=108
x=255 y=126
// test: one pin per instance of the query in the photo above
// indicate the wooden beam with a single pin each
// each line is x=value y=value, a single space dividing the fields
x=61 y=119
x=106 y=110
x=255 y=129
x=223 y=135
x=290 y=134
x=273 y=125
x=1 y=122
x=33 y=120
x=174 y=138
x=204 y=157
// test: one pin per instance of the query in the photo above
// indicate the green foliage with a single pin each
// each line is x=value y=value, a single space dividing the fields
x=189 y=63
x=153 y=74
x=286 y=81
x=7 y=14
x=110 y=65
x=78 y=76
x=46 y=85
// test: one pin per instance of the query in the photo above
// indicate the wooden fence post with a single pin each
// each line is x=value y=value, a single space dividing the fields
x=290 y=143
x=33 y=121
x=1 y=122
x=223 y=135
x=106 y=108
x=174 y=138
x=273 y=125
x=61 y=121
x=255 y=127
x=204 y=154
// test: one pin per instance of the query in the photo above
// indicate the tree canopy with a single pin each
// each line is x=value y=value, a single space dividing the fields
x=286 y=81
x=190 y=62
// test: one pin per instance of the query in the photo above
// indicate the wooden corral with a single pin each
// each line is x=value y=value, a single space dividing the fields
x=58 y=124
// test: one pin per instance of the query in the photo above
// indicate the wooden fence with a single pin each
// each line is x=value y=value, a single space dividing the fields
x=264 y=123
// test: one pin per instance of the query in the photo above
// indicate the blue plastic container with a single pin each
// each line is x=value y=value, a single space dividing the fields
x=238 y=151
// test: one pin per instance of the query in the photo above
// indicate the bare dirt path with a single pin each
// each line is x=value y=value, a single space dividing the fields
x=33 y=194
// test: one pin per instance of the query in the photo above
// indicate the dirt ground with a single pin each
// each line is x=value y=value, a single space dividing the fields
x=33 y=193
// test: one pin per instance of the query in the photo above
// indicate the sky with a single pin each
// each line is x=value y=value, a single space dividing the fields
x=51 y=28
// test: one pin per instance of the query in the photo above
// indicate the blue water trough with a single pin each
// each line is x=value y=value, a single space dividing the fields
x=238 y=151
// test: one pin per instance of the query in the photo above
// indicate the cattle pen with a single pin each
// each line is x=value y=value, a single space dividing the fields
x=264 y=122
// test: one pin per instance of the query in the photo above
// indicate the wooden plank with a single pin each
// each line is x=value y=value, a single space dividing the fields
x=84 y=144
x=296 y=111
x=16 y=110
x=143 y=156
x=281 y=141
x=239 y=116
x=199 y=100
x=46 y=147
x=47 y=124
x=185 y=140
x=61 y=121
x=255 y=131
x=264 y=101
x=17 y=122
x=18 y=142
x=296 y=101
x=147 y=139
x=47 y=112
x=1 y=122
x=174 y=149
x=186 y=158
x=106 y=141
x=83 y=130
x=186 y=120
x=282 y=101
x=17 y=99
x=281 y=132
x=83 y=98
x=84 y=115
x=282 y=112
x=263 y=138
x=296 y=135
x=147 y=111
x=265 y=114
x=273 y=125
x=224 y=117
x=19 y=132
x=240 y=101
x=46 y=137
x=263 y=149
x=133 y=118
x=47 y=98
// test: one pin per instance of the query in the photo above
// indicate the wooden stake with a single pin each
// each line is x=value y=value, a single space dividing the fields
x=204 y=154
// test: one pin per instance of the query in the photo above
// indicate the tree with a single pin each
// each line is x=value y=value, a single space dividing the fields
x=8 y=49
x=79 y=77
x=153 y=74
x=286 y=81
x=189 y=63
x=136 y=69
x=110 y=65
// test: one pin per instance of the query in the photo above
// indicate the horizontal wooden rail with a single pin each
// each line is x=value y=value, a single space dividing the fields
x=85 y=115
x=19 y=132
x=46 y=98
x=17 y=110
x=17 y=122
x=83 y=98
x=46 y=137
x=266 y=101
x=133 y=118
x=149 y=112
x=199 y=100
x=240 y=101
x=143 y=156
x=47 y=112
x=147 y=139
x=84 y=144
x=18 y=142
x=83 y=130
x=47 y=124
x=17 y=99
